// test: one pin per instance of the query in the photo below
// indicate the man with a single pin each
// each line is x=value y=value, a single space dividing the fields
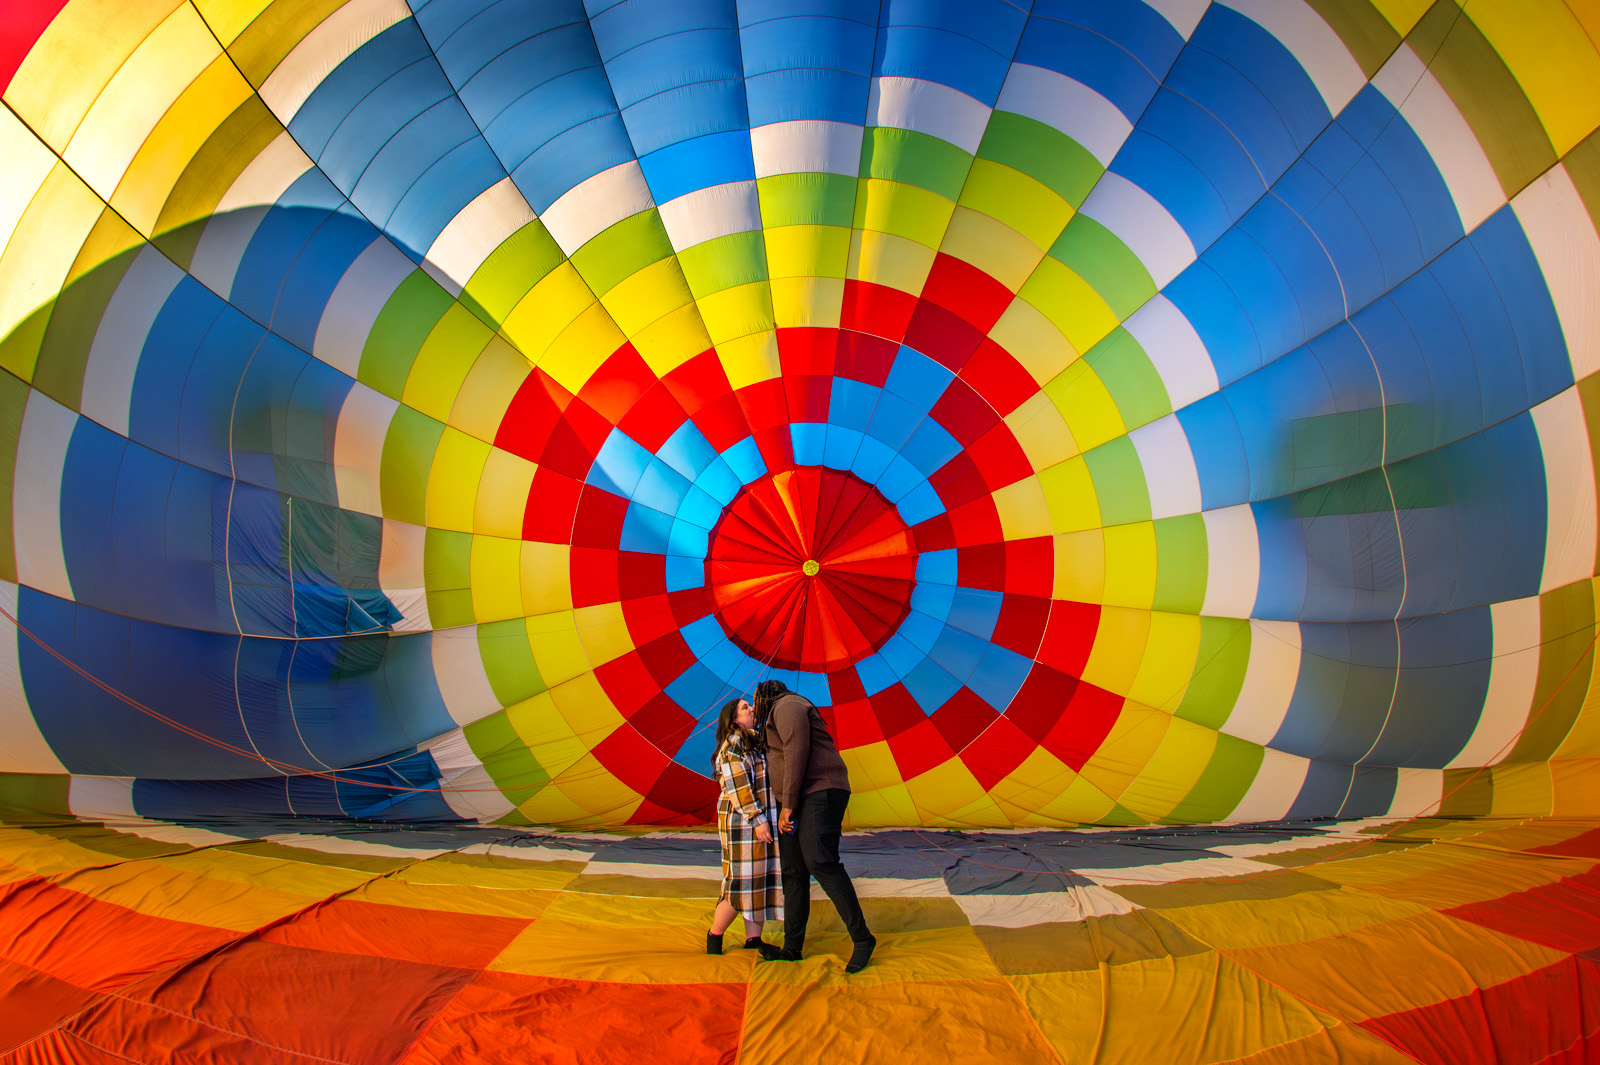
x=812 y=789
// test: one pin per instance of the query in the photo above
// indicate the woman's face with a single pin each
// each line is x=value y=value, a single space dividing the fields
x=745 y=716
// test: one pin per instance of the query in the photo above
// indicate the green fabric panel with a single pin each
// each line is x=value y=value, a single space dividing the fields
x=34 y=798
x=1121 y=815
x=806 y=200
x=1582 y=164
x=1226 y=779
x=513 y=268
x=1042 y=152
x=1416 y=482
x=622 y=250
x=19 y=350
x=64 y=350
x=402 y=326
x=737 y=259
x=219 y=162
x=1109 y=265
x=1128 y=374
x=13 y=401
x=1589 y=395
x=408 y=451
x=1467 y=793
x=915 y=159
x=1362 y=28
x=1325 y=447
x=1119 y=482
x=1566 y=663
x=444 y=360
x=1181 y=560
x=505 y=757
x=447 y=573
x=1219 y=670
x=508 y=660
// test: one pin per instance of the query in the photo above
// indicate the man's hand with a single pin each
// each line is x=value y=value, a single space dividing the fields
x=764 y=832
x=786 y=820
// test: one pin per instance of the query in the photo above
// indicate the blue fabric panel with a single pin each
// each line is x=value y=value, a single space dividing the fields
x=1344 y=691
x=957 y=653
x=698 y=164
x=851 y=403
x=719 y=482
x=933 y=600
x=261 y=437
x=1408 y=165
x=88 y=489
x=440 y=191
x=681 y=114
x=257 y=594
x=692 y=52
x=688 y=451
x=975 y=610
x=813 y=93
x=1445 y=663
x=1231 y=178
x=273 y=249
x=1219 y=455
x=921 y=630
x=1519 y=282
x=1135 y=28
x=1176 y=182
x=570 y=158
x=645 y=530
x=365 y=77
x=875 y=674
x=303 y=297
x=841 y=448
x=635 y=24
x=930 y=684
x=930 y=447
x=1281 y=594
x=466 y=37
x=138 y=530
x=1372 y=790
x=179 y=330
x=1324 y=792
x=660 y=488
x=790 y=41
x=206 y=399
x=1000 y=676
x=193 y=600
x=619 y=465
x=1056 y=42
x=809 y=440
x=569 y=81
x=894 y=420
x=375 y=120
x=917 y=379
x=872 y=460
x=946 y=57
x=1273 y=106
x=699 y=508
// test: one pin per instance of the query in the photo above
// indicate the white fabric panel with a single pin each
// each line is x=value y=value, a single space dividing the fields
x=23 y=748
x=1171 y=872
x=1169 y=469
x=180 y=834
x=1314 y=44
x=1052 y=907
x=1233 y=562
x=1174 y=349
x=36 y=499
x=267 y=176
x=593 y=205
x=119 y=339
x=928 y=107
x=806 y=146
x=24 y=164
x=358 y=448
x=1273 y=792
x=458 y=665
x=475 y=232
x=356 y=302
x=713 y=212
x=101 y=798
x=346 y=845
x=241 y=209
x=1569 y=549
x=1183 y=14
x=1513 y=678
x=1140 y=222
x=1269 y=682
x=1563 y=238
x=1068 y=105
x=400 y=573
x=1417 y=793
x=466 y=785
x=1424 y=103
x=323 y=49
x=222 y=245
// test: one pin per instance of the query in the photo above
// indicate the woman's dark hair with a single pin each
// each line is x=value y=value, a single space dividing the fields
x=767 y=693
x=727 y=722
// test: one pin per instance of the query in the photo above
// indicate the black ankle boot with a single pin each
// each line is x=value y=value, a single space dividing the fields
x=766 y=951
x=713 y=943
x=861 y=954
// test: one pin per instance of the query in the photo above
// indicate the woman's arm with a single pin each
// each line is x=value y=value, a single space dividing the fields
x=737 y=783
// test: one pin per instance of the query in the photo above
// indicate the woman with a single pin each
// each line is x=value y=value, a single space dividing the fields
x=745 y=820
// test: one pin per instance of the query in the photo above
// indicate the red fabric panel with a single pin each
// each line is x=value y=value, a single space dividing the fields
x=1526 y=1020
x=437 y=937
x=919 y=749
x=963 y=288
x=92 y=944
x=34 y=1002
x=1564 y=915
x=996 y=753
x=511 y=1017
x=59 y=1048
x=135 y=1031
x=20 y=26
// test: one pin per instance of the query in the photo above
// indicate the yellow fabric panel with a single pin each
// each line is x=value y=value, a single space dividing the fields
x=592 y=788
x=944 y=789
x=496 y=593
x=904 y=210
x=548 y=308
x=1041 y=432
x=557 y=651
x=982 y=812
x=573 y=357
x=1402 y=14
x=885 y=259
x=452 y=349
x=150 y=82
x=991 y=246
x=228 y=18
x=871 y=766
x=28 y=164
x=1119 y=648
x=1522 y=790
x=807 y=301
x=1173 y=644
x=453 y=480
x=177 y=137
x=889 y=805
x=546 y=733
x=1469 y=877
x=737 y=312
x=1024 y=511
x=41 y=251
x=1070 y=302
x=487 y=390
x=1174 y=769
x=523 y=898
x=157 y=889
x=1080 y=568
x=272 y=35
x=1082 y=801
x=546 y=580
x=587 y=710
x=1575 y=786
x=1038 y=782
x=1034 y=341
x=1087 y=406
x=40 y=852
x=1069 y=493
x=603 y=631
x=807 y=251
x=672 y=340
x=110 y=237
x=573 y=943
x=286 y=875
x=749 y=359
x=1553 y=59
x=73 y=59
x=642 y=297
x=1007 y=195
x=550 y=805
x=1131 y=565
x=1127 y=749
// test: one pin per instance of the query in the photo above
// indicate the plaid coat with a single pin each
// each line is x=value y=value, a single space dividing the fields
x=749 y=867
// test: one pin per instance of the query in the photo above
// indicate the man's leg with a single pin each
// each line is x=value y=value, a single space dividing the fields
x=821 y=824
x=796 y=891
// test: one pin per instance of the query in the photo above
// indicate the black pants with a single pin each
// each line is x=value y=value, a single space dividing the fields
x=812 y=850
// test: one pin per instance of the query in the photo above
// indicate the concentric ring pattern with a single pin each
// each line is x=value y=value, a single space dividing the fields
x=1109 y=412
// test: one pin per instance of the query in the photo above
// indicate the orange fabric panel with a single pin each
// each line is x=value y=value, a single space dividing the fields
x=463 y=940
x=1564 y=915
x=1343 y=1044
x=511 y=1017
x=61 y=1048
x=34 y=1002
x=140 y=1032
x=92 y=944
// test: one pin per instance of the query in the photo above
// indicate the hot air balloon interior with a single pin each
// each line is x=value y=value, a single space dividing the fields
x=1158 y=435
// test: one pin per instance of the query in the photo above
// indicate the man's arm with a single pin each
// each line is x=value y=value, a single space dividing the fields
x=792 y=719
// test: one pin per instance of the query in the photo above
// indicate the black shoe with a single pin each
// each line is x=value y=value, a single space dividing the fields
x=861 y=954
x=766 y=951
x=713 y=943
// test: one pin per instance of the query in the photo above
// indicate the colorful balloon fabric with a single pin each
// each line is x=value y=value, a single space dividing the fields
x=417 y=419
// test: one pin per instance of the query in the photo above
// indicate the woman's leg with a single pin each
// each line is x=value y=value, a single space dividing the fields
x=752 y=929
x=723 y=917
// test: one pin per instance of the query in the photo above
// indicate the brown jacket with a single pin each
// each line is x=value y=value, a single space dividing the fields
x=801 y=757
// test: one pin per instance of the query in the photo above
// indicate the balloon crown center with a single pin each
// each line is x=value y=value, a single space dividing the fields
x=811 y=568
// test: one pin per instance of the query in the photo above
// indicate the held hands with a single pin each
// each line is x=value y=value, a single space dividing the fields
x=764 y=832
x=786 y=820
